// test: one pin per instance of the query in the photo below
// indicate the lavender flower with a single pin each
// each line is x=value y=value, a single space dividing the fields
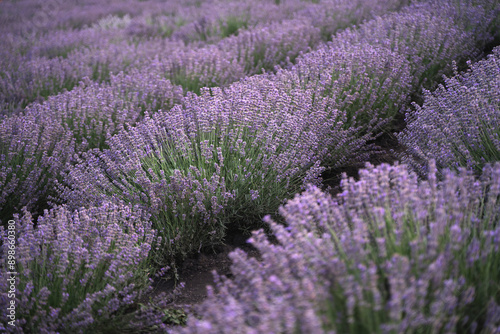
x=76 y=270
x=388 y=254
x=458 y=124
x=430 y=35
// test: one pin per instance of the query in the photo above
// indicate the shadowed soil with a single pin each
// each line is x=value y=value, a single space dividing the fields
x=196 y=272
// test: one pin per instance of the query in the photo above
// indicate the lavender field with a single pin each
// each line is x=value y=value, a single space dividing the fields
x=354 y=143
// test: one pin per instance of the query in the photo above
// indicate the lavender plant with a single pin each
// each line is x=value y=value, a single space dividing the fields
x=371 y=84
x=430 y=35
x=76 y=271
x=458 y=123
x=94 y=112
x=232 y=25
x=225 y=157
x=32 y=151
x=389 y=254
x=331 y=16
x=273 y=45
x=36 y=145
x=194 y=69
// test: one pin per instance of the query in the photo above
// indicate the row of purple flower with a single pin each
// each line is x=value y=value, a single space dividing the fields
x=377 y=258
x=201 y=48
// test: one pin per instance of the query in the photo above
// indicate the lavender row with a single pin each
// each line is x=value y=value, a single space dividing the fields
x=36 y=145
x=75 y=271
x=36 y=79
x=430 y=35
x=30 y=18
x=459 y=122
x=226 y=156
x=41 y=72
x=372 y=70
x=389 y=254
x=369 y=83
x=238 y=56
x=265 y=46
x=185 y=21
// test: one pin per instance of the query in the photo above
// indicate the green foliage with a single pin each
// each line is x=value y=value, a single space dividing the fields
x=174 y=317
x=413 y=245
x=487 y=151
x=231 y=25
x=190 y=82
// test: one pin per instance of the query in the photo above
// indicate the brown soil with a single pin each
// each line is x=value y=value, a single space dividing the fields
x=196 y=272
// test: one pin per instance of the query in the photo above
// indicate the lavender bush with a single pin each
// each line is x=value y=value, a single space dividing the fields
x=36 y=144
x=194 y=69
x=76 y=271
x=430 y=34
x=330 y=16
x=32 y=152
x=371 y=84
x=458 y=123
x=389 y=254
x=94 y=112
x=227 y=156
x=273 y=45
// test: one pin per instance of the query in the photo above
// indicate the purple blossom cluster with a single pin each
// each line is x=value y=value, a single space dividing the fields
x=389 y=254
x=369 y=83
x=36 y=144
x=430 y=34
x=76 y=270
x=458 y=123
